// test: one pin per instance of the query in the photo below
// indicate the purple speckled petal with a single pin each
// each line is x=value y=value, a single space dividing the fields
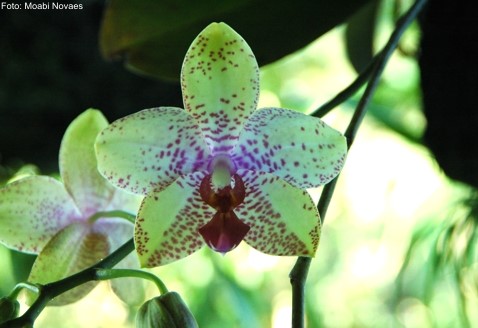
x=168 y=221
x=78 y=166
x=150 y=149
x=71 y=250
x=32 y=211
x=283 y=218
x=300 y=149
x=220 y=83
x=118 y=231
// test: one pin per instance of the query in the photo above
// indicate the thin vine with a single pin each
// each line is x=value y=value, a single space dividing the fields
x=298 y=274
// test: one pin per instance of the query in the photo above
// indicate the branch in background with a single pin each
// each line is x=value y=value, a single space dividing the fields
x=298 y=274
x=348 y=91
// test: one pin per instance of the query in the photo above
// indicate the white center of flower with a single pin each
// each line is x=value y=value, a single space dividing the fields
x=222 y=168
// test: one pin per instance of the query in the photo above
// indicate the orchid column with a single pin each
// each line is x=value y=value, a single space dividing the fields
x=220 y=171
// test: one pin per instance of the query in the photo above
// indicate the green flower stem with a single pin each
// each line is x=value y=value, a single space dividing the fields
x=106 y=274
x=24 y=285
x=349 y=91
x=298 y=274
x=112 y=214
x=48 y=291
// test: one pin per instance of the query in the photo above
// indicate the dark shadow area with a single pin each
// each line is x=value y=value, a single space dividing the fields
x=51 y=71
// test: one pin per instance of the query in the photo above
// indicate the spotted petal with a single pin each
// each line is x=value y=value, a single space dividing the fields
x=72 y=249
x=32 y=211
x=167 y=223
x=150 y=149
x=220 y=84
x=78 y=167
x=283 y=218
x=300 y=149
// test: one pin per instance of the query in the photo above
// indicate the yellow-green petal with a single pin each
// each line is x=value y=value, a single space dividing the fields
x=33 y=210
x=300 y=149
x=78 y=167
x=71 y=250
x=283 y=218
x=167 y=225
x=220 y=84
x=148 y=150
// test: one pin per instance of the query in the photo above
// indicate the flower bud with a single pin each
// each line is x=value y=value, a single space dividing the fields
x=165 y=311
x=8 y=309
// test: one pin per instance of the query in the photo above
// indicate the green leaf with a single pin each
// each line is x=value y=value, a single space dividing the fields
x=73 y=249
x=220 y=83
x=283 y=218
x=32 y=210
x=150 y=149
x=168 y=221
x=153 y=36
x=300 y=149
x=360 y=34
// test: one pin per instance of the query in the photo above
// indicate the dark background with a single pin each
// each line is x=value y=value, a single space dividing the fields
x=51 y=71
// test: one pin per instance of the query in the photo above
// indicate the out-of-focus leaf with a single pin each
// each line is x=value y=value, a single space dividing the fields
x=153 y=36
x=359 y=35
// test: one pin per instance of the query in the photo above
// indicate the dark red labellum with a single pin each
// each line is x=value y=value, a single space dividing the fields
x=225 y=231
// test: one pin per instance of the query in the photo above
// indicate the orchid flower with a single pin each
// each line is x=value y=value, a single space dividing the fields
x=221 y=171
x=62 y=222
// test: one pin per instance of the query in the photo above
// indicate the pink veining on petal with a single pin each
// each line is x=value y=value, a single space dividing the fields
x=150 y=149
x=34 y=209
x=300 y=149
x=220 y=84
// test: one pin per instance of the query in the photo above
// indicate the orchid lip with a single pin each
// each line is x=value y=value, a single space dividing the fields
x=226 y=199
x=224 y=232
x=223 y=191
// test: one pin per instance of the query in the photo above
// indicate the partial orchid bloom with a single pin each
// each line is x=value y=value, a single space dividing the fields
x=63 y=223
x=221 y=171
